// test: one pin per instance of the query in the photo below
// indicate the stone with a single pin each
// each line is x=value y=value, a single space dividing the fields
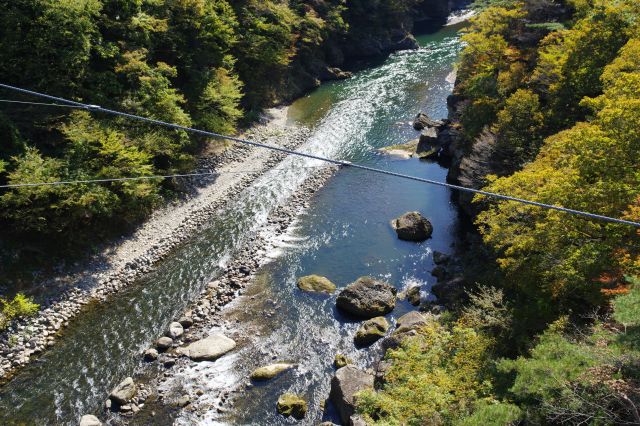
x=151 y=354
x=270 y=371
x=346 y=383
x=440 y=258
x=440 y=272
x=292 y=405
x=341 y=361
x=186 y=322
x=423 y=121
x=449 y=291
x=183 y=401
x=413 y=295
x=411 y=320
x=316 y=283
x=412 y=226
x=357 y=421
x=175 y=330
x=209 y=349
x=367 y=298
x=428 y=140
x=90 y=420
x=122 y=393
x=164 y=343
x=371 y=331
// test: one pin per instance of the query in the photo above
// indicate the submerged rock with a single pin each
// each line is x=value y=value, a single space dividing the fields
x=122 y=393
x=210 y=348
x=367 y=298
x=270 y=371
x=341 y=361
x=292 y=405
x=90 y=420
x=346 y=383
x=412 y=226
x=371 y=331
x=316 y=283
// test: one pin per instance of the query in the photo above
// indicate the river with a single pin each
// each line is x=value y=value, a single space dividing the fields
x=344 y=234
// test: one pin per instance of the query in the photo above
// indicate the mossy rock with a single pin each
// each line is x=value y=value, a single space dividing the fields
x=270 y=371
x=341 y=361
x=370 y=331
x=292 y=405
x=316 y=284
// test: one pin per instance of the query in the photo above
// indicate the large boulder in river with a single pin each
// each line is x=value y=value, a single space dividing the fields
x=270 y=371
x=422 y=121
x=371 y=331
x=347 y=382
x=413 y=295
x=412 y=226
x=367 y=298
x=292 y=405
x=122 y=393
x=90 y=420
x=210 y=348
x=317 y=284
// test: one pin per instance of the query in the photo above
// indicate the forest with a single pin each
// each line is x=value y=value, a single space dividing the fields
x=548 y=331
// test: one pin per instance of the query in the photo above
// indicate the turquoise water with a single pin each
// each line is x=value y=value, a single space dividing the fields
x=343 y=235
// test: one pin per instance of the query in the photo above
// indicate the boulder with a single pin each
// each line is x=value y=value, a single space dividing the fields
x=411 y=321
x=151 y=354
x=175 y=330
x=440 y=272
x=346 y=383
x=381 y=370
x=440 y=258
x=331 y=73
x=371 y=331
x=270 y=371
x=341 y=361
x=357 y=421
x=423 y=121
x=412 y=226
x=449 y=291
x=413 y=295
x=292 y=405
x=367 y=298
x=164 y=343
x=122 y=393
x=210 y=348
x=428 y=139
x=317 y=284
x=396 y=338
x=90 y=420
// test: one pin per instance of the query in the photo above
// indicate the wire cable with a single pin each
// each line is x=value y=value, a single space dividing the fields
x=9 y=101
x=98 y=108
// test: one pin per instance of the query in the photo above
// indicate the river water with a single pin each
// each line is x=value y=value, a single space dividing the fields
x=343 y=235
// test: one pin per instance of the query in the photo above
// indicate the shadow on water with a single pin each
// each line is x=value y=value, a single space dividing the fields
x=345 y=234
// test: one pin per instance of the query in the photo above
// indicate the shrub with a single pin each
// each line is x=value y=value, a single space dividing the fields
x=19 y=306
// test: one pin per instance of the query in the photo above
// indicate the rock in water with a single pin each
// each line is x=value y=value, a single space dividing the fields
x=270 y=371
x=175 y=330
x=370 y=331
x=367 y=298
x=412 y=226
x=347 y=382
x=164 y=343
x=210 y=348
x=90 y=420
x=440 y=258
x=413 y=295
x=422 y=121
x=292 y=405
x=124 y=391
x=150 y=354
x=316 y=283
x=341 y=361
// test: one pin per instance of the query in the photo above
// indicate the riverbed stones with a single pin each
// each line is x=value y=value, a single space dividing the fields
x=413 y=295
x=316 y=284
x=367 y=298
x=412 y=226
x=90 y=420
x=175 y=330
x=270 y=371
x=210 y=348
x=150 y=354
x=164 y=343
x=292 y=405
x=371 y=331
x=346 y=383
x=122 y=393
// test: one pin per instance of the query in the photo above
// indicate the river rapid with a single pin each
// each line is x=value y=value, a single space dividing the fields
x=344 y=234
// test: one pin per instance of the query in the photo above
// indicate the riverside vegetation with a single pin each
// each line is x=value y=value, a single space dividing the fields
x=547 y=108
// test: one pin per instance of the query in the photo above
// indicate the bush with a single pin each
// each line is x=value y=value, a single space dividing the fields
x=20 y=306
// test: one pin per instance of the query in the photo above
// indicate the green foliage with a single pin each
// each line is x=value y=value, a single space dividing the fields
x=19 y=306
x=434 y=378
x=627 y=307
x=488 y=412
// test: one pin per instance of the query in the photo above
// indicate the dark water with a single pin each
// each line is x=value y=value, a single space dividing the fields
x=345 y=234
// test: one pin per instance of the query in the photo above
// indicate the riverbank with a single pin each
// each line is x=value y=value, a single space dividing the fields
x=122 y=262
